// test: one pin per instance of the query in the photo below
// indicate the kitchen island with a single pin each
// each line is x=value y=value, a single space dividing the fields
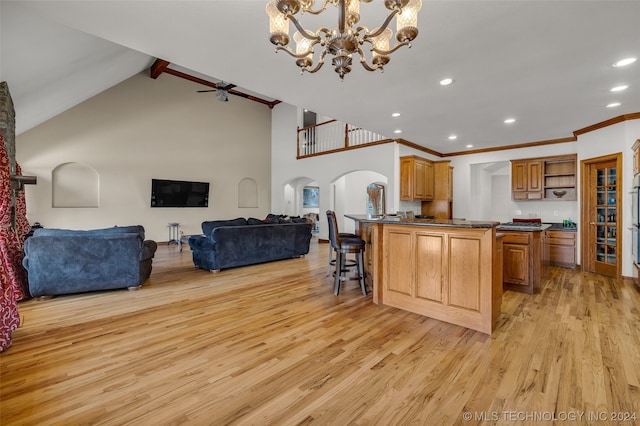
x=450 y=270
x=523 y=255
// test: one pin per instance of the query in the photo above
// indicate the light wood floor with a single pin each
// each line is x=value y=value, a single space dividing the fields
x=270 y=344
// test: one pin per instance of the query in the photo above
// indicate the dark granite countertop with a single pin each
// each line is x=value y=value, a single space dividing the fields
x=560 y=227
x=397 y=220
x=524 y=228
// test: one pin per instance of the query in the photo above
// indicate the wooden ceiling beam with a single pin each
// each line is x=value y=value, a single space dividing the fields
x=161 y=66
x=158 y=67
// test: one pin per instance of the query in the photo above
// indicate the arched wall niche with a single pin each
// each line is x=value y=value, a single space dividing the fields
x=75 y=185
x=247 y=193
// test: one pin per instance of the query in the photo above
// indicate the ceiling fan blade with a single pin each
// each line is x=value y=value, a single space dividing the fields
x=226 y=87
x=203 y=91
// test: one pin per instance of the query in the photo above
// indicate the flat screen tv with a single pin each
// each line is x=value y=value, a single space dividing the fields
x=179 y=193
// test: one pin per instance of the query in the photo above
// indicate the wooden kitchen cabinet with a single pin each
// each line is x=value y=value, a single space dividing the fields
x=416 y=178
x=560 y=248
x=559 y=178
x=526 y=180
x=445 y=273
x=545 y=178
x=522 y=261
x=441 y=207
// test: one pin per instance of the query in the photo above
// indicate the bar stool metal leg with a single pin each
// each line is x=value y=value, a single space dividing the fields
x=331 y=261
x=363 y=285
x=338 y=272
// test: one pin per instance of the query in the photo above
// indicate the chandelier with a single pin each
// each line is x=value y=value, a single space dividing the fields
x=345 y=40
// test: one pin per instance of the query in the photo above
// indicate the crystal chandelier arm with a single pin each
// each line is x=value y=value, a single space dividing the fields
x=319 y=11
x=319 y=64
x=382 y=27
x=304 y=32
x=363 y=62
x=295 y=55
x=388 y=52
x=366 y=66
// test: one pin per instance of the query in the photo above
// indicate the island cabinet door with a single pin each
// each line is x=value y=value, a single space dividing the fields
x=399 y=264
x=414 y=266
x=516 y=264
x=445 y=274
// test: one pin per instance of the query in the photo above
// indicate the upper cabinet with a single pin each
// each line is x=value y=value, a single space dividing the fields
x=548 y=178
x=416 y=178
x=526 y=179
x=560 y=178
x=441 y=207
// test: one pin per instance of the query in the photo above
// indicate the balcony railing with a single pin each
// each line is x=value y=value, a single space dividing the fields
x=332 y=136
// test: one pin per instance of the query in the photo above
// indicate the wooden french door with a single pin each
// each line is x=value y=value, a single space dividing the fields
x=601 y=210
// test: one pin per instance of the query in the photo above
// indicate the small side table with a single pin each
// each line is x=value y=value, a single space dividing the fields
x=174 y=234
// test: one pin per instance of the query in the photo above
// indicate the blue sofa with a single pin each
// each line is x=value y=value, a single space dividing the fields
x=64 y=261
x=240 y=242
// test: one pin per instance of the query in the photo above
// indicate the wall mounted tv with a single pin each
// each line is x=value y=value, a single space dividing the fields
x=179 y=193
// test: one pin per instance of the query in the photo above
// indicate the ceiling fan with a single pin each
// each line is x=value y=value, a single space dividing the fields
x=221 y=90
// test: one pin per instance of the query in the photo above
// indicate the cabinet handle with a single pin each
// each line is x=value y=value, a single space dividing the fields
x=591 y=223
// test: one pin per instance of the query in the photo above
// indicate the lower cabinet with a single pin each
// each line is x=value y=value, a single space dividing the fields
x=444 y=273
x=522 y=261
x=560 y=248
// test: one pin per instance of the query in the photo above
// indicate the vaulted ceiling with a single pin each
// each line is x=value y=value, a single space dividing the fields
x=548 y=64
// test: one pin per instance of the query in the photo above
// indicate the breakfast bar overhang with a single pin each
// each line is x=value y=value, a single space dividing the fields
x=449 y=270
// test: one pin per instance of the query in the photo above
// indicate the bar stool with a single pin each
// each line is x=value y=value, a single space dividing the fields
x=349 y=263
x=343 y=246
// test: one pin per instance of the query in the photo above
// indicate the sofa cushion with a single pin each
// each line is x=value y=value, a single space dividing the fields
x=254 y=221
x=149 y=248
x=209 y=226
x=200 y=242
x=271 y=218
x=283 y=218
x=114 y=230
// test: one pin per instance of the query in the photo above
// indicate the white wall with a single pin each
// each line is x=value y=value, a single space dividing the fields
x=352 y=198
x=143 y=129
x=326 y=170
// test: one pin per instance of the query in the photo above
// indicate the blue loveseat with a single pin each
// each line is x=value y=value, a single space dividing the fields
x=63 y=261
x=240 y=242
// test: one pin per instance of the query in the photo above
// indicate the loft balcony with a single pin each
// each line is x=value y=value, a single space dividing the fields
x=334 y=136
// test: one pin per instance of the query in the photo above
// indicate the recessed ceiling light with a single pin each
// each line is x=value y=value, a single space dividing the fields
x=614 y=104
x=446 y=81
x=619 y=88
x=510 y=120
x=624 y=62
x=469 y=146
x=397 y=131
x=453 y=137
x=395 y=114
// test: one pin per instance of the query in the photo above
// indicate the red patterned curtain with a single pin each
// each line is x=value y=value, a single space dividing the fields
x=13 y=277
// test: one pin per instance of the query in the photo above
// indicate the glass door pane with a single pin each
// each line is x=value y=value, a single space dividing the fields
x=606 y=212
